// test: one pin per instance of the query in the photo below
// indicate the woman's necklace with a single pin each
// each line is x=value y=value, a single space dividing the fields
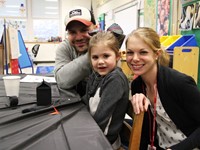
x=153 y=103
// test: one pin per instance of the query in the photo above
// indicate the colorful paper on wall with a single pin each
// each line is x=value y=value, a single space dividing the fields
x=150 y=13
x=187 y=17
x=163 y=17
x=196 y=24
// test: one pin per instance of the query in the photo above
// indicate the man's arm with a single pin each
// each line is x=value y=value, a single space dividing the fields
x=70 y=69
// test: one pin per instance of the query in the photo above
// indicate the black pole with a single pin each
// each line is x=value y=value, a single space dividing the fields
x=5 y=46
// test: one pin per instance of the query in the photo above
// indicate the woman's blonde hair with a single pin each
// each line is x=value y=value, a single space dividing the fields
x=152 y=39
x=105 y=38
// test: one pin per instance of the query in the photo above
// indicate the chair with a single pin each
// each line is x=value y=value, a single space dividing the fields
x=133 y=134
x=35 y=49
x=134 y=141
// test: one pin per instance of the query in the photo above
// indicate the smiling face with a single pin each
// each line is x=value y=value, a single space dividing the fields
x=103 y=59
x=140 y=57
x=78 y=36
x=104 y=52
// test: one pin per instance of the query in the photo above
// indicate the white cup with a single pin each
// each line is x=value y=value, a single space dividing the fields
x=11 y=84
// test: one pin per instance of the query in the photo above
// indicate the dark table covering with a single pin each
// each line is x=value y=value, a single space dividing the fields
x=72 y=129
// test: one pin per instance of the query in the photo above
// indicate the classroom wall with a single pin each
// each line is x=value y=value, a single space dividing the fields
x=107 y=7
x=67 y=4
x=44 y=49
x=114 y=7
x=111 y=5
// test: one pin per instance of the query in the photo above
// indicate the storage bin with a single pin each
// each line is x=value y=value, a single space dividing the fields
x=191 y=41
x=185 y=40
x=170 y=40
x=186 y=60
x=163 y=38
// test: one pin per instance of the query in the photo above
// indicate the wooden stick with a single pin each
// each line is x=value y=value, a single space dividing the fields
x=134 y=142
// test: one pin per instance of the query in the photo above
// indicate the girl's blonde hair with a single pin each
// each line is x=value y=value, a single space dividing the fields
x=105 y=38
x=152 y=39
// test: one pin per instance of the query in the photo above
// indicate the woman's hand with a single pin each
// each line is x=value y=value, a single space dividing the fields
x=140 y=103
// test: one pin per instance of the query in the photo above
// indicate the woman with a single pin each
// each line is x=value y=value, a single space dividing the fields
x=170 y=99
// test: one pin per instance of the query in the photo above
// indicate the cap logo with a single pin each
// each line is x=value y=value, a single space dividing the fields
x=76 y=12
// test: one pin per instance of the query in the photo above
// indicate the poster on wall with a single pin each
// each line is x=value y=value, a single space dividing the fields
x=163 y=17
x=187 y=17
x=150 y=13
x=196 y=24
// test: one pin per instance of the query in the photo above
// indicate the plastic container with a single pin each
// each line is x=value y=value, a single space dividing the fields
x=12 y=85
x=163 y=38
x=170 y=40
x=185 y=40
x=191 y=41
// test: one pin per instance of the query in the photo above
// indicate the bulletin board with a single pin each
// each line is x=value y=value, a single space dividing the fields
x=127 y=19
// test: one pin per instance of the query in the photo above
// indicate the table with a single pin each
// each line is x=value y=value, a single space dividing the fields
x=72 y=129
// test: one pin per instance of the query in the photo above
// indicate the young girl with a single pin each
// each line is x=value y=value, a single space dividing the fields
x=171 y=98
x=107 y=92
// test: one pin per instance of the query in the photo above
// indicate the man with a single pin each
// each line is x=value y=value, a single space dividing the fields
x=72 y=65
